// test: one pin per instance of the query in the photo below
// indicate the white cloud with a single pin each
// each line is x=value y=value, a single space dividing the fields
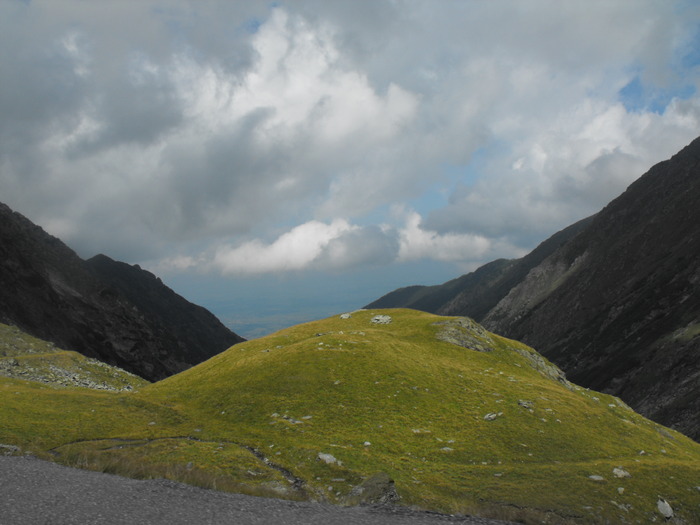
x=294 y=250
x=567 y=167
x=418 y=243
x=151 y=133
x=339 y=246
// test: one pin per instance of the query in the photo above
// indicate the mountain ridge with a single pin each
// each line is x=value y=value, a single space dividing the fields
x=49 y=292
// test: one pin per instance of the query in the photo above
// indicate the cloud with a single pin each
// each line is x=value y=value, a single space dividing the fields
x=339 y=246
x=195 y=134
x=565 y=169
x=294 y=250
x=418 y=243
x=359 y=247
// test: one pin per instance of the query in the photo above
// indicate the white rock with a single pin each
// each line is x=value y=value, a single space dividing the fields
x=664 y=508
x=327 y=458
x=381 y=319
x=595 y=477
x=621 y=473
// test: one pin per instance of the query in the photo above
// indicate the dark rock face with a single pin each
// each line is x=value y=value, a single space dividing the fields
x=95 y=308
x=476 y=293
x=194 y=328
x=618 y=306
x=614 y=300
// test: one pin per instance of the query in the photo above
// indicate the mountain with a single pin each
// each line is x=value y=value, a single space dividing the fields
x=616 y=305
x=386 y=406
x=111 y=311
x=195 y=330
x=476 y=293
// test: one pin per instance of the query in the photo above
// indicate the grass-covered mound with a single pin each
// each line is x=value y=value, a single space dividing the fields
x=461 y=420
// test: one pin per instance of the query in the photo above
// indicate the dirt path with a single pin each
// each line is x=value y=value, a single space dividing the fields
x=44 y=493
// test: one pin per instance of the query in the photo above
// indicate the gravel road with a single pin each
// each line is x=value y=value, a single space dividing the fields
x=43 y=493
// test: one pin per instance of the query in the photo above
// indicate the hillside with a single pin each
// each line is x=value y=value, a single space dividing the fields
x=476 y=293
x=110 y=311
x=25 y=357
x=377 y=406
x=616 y=304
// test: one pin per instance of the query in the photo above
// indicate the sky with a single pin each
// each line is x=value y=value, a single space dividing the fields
x=279 y=162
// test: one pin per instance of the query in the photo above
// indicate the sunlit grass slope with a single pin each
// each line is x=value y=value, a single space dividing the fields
x=462 y=420
x=395 y=398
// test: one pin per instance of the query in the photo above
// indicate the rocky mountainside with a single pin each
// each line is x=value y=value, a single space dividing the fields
x=477 y=293
x=119 y=314
x=617 y=306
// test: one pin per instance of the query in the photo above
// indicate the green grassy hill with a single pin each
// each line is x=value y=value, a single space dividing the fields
x=461 y=420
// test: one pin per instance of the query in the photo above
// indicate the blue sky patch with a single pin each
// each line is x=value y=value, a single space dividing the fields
x=638 y=97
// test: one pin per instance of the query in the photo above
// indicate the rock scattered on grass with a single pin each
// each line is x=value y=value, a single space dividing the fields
x=378 y=489
x=329 y=459
x=526 y=404
x=8 y=450
x=381 y=319
x=619 y=472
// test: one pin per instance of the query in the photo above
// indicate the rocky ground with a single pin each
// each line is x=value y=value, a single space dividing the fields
x=41 y=492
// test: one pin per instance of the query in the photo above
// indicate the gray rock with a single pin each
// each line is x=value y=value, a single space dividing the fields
x=664 y=508
x=381 y=319
x=378 y=489
x=526 y=404
x=466 y=333
x=327 y=458
x=619 y=472
x=8 y=450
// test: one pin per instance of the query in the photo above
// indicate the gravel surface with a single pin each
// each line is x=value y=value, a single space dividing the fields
x=44 y=493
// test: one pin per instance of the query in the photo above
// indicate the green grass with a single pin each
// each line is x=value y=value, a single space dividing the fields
x=379 y=398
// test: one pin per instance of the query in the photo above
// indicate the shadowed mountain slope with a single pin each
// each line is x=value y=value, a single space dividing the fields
x=119 y=314
x=618 y=307
x=476 y=293
x=613 y=300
